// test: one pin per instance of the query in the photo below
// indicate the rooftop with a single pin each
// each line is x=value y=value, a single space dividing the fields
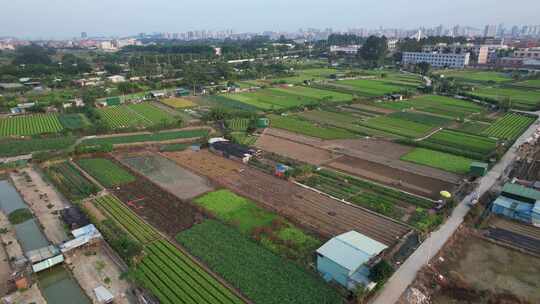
x=519 y=190
x=351 y=249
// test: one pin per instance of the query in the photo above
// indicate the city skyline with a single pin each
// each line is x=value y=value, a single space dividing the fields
x=31 y=19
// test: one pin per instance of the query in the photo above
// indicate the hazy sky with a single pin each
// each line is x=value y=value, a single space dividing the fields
x=67 y=18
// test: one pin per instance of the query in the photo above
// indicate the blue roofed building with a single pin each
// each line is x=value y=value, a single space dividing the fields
x=519 y=203
x=346 y=259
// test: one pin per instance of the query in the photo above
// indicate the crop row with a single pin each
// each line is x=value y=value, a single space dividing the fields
x=344 y=187
x=239 y=124
x=30 y=125
x=509 y=127
x=463 y=141
x=70 y=182
x=398 y=126
x=125 y=217
x=175 y=278
x=134 y=116
x=264 y=277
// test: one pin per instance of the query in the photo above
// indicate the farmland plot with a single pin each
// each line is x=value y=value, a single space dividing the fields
x=140 y=231
x=172 y=276
x=261 y=275
x=175 y=278
x=272 y=231
x=373 y=87
x=440 y=160
x=70 y=182
x=153 y=137
x=383 y=200
x=30 y=125
x=134 y=116
x=13 y=147
x=297 y=125
x=279 y=98
x=439 y=105
x=303 y=207
x=509 y=127
x=178 y=103
x=106 y=172
x=460 y=143
x=522 y=99
x=167 y=174
x=398 y=126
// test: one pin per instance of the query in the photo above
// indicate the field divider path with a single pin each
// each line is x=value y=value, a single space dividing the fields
x=429 y=135
x=353 y=205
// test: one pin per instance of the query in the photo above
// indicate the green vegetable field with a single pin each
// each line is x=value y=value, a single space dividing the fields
x=304 y=127
x=439 y=160
x=167 y=272
x=140 y=231
x=12 y=147
x=460 y=143
x=160 y=136
x=283 y=98
x=387 y=201
x=276 y=233
x=265 y=278
x=175 y=278
x=134 y=116
x=30 y=125
x=70 y=182
x=106 y=172
x=510 y=127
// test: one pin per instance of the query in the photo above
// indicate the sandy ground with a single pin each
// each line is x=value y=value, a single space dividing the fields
x=5 y=270
x=91 y=271
x=43 y=200
x=31 y=295
x=9 y=239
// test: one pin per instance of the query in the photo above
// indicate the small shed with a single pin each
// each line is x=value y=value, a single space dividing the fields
x=182 y=92
x=345 y=259
x=513 y=209
x=113 y=101
x=478 y=169
x=263 y=123
x=103 y=295
x=520 y=193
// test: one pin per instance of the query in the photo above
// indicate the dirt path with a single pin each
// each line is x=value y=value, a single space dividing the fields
x=5 y=271
x=44 y=202
x=31 y=295
x=429 y=135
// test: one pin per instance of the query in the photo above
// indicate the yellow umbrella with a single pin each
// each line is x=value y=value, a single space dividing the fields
x=446 y=194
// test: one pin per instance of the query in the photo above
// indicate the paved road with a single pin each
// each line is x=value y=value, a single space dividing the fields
x=406 y=274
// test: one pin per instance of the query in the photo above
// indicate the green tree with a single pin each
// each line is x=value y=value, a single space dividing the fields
x=32 y=54
x=381 y=272
x=374 y=50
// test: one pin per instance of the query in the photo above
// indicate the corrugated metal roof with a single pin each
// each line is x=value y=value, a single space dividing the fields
x=351 y=249
x=479 y=164
x=512 y=204
x=520 y=190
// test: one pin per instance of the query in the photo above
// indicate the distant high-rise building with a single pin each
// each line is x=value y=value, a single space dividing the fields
x=84 y=35
x=490 y=30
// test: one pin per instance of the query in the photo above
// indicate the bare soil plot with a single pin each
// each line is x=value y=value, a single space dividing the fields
x=526 y=237
x=302 y=139
x=167 y=174
x=375 y=150
x=162 y=209
x=371 y=146
x=487 y=266
x=401 y=179
x=313 y=211
x=294 y=150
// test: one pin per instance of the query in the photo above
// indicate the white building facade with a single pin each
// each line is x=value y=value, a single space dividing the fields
x=454 y=61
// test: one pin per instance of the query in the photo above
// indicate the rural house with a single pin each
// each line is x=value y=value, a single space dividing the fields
x=345 y=259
